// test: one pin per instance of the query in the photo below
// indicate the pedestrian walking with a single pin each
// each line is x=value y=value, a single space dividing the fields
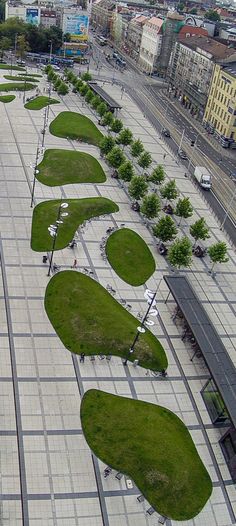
x=164 y=156
x=82 y=357
x=74 y=264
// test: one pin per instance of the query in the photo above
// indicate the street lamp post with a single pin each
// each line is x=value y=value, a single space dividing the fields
x=53 y=230
x=150 y=297
x=191 y=156
x=35 y=173
x=50 y=53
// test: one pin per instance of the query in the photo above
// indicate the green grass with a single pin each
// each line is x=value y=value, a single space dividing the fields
x=60 y=167
x=75 y=126
x=16 y=86
x=40 y=102
x=20 y=78
x=152 y=446
x=79 y=211
x=130 y=257
x=88 y=319
x=8 y=66
x=7 y=98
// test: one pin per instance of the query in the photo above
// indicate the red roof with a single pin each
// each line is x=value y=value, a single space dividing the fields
x=191 y=31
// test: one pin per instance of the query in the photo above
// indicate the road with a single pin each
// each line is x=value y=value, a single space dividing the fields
x=163 y=112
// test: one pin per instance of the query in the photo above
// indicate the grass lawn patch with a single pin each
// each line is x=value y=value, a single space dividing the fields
x=60 y=167
x=7 y=98
x=75 y=126
x=40 y=102
x=20 y=78
x=8 y=66
x=16 y=86
x=79 y=210
x=130 y=257
x=88 y=319
x=152 y=446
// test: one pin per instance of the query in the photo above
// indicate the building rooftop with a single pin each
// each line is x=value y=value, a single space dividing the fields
x=217 y=50
x=188 y=31
x=154 y=21
x=231 y=69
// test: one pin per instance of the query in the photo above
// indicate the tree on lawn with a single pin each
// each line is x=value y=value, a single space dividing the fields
x=183 y=209
x=218 y=254
x=125 y=137
x=137 y=187
x=89 y=96
x=165 y=229
x=126 y=171
x=107 y=119
x=95 y=102
x=136 y=148
x=199 y=230
x=158 y=175
x=117 y=126
x=169 y=191
x=150 y=206
x=106 y=144
x=180 y=253
x=102 y=109
x=115 y=157
x=145 y=160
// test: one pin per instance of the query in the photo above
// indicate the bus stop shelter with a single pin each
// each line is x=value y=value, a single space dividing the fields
x=222 y=370
x=113 y=106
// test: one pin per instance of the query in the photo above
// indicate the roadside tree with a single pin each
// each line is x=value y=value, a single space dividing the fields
x=180 y=253
x=165 y=229
x=137 y=187
x=150 y=206
x=218 y=254
x=126 y=171
x=115 y=157
x=183 y=209
x=136 y=148
x=199 y=230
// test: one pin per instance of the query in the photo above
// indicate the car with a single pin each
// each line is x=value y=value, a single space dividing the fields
x=20 y=62
x=55 y=67
x=115 y=55
x=182 y=155
x=166 y=133
x=121 y=62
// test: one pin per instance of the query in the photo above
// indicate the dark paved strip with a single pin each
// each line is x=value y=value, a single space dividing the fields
x=23 y=485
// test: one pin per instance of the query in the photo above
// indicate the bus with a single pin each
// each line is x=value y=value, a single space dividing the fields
x=101 y=40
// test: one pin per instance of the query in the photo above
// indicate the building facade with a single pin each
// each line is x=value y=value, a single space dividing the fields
x=170 y=29
x=134 y=36
x=191 y=69
x=101 y=15
x=150 y=46
x=220 y=113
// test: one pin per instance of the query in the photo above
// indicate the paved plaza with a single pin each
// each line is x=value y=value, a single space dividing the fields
x=49 y=476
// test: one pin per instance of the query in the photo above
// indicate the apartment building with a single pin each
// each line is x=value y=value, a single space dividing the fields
x=150 y=46
x=220 y=113
x=191 y=69
x=134 y=36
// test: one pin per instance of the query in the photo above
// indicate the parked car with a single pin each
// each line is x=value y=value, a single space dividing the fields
x=115 y=55
x=166 y=132
x=20 y=62
x=182 y=155
x=55 y=67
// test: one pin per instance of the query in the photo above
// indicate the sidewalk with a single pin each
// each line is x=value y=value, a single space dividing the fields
x=48 y=466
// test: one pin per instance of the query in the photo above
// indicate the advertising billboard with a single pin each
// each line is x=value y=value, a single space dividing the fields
x=32 y=16
x=77 y=26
